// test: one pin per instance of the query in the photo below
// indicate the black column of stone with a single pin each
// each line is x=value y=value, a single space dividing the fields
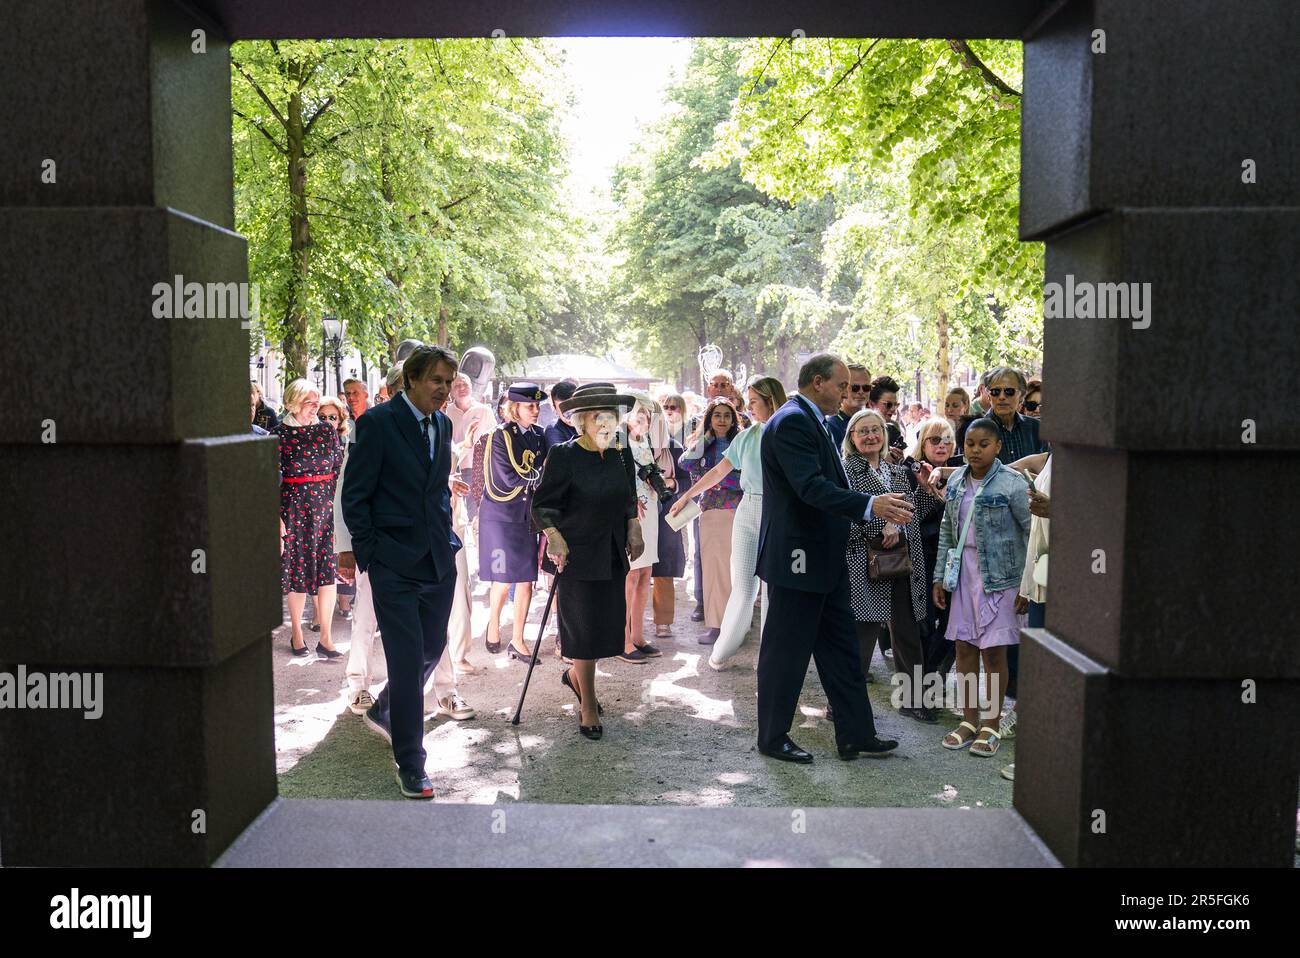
x=1160 y=705
x=126 y=462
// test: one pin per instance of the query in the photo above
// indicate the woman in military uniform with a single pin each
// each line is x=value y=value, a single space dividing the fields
x=507 y=546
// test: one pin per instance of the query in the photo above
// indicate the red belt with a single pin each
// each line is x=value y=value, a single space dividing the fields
x=298 y=479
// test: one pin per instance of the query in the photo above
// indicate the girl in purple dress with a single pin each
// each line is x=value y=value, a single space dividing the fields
x=981 y=560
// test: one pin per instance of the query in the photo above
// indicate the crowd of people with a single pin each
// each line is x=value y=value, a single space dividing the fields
x=858 y=527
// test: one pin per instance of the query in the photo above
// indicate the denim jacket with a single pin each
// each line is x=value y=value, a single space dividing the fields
x=1000 y=526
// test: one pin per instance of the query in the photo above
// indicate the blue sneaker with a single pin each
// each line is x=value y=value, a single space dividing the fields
x=378 y=724
x=414 y=784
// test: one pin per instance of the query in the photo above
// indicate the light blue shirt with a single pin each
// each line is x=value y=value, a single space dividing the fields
x=822 y=419
x=419 y=420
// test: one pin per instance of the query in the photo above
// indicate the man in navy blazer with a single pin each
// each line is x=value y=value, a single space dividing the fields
x=807 y=508
x=397 y=504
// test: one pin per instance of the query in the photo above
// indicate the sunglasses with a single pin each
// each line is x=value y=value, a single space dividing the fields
x=859 y=387
x=672 y=408
x=1009 y=391
x=888 y=405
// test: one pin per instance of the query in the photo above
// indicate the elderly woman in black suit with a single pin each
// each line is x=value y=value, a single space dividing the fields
x=900 y=600
x=586 y=506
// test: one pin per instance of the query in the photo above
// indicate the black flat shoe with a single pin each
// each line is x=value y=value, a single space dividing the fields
x=649 y=651
x=518 y=656
x=919 y=714
x=299 y=652
x=592 y=732
x=787 y=751
x=876 y=747
x=327 y=654
x=568 y=682
x=492 y=647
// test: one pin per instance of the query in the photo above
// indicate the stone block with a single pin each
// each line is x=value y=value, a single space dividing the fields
x=1200 y=84
x=78 y=312
x=152 y=117
x=1118 y=771
x=1178 y=564
x=123 y=789
x=1221 y=349
x=322 y=19
x=105 y=572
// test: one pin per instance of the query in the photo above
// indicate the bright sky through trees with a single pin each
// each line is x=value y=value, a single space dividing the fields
x=618 y=85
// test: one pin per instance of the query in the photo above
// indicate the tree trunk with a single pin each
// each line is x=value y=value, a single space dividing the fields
x=944 y=368
x=295 y=346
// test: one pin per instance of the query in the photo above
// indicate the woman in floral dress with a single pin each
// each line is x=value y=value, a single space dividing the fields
x=310 y=456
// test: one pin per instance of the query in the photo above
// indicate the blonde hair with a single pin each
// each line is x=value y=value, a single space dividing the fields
x=337 y=403
x=847 y=448
x=579 y=418
x=511 y=408
x=932 y=427
x=297 y=392
x=771 y=390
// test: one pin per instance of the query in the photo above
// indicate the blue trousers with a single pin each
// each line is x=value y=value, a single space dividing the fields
x=412 y=614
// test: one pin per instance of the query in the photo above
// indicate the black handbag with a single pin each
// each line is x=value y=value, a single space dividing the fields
x=888 y=563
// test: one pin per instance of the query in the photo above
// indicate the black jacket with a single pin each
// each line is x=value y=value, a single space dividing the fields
x=589 y=498
x=396 y=502
x=807 y=503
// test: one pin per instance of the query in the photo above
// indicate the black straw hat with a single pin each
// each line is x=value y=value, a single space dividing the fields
x=597 y=396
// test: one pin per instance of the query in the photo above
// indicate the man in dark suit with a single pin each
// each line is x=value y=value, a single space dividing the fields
x=807 y=508
x=397 y=505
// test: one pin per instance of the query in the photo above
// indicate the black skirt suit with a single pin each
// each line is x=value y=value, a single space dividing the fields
x=589 y=497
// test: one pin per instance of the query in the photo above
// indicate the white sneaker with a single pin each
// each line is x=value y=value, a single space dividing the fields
x=361 y=703
x=1007 y=727
x=455 y=707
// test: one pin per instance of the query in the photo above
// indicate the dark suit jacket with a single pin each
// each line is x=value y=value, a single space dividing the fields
x=396 y=502
x=807 y=503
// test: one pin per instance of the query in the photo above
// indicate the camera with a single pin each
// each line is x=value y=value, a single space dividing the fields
x=653 y=476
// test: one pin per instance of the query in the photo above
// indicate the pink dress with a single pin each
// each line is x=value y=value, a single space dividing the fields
x=983 y=619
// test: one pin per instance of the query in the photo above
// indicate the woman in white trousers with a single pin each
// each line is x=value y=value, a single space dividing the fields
x=765 y=396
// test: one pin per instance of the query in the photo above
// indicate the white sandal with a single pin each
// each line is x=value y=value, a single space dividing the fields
x=994 y=741
x=965 y=743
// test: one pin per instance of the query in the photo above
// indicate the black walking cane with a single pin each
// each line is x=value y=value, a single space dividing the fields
x=546 y=614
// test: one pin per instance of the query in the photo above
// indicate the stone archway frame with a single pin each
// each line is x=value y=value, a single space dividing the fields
x=1136 y=745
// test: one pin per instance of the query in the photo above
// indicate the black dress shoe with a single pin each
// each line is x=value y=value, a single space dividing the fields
x=698 y=614
x=787 y=751
x=414 y=785
x=524 y=657
x=592 y=732
x=327 y=654
x=299 y=652
x=568 y=683
x=876 y=747
x=492 y=647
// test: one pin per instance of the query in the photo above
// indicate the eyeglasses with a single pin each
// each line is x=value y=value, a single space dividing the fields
x=672 y=408
x=939 y=440
x=333 y=419
x=1009 y=391
x=1031 y=405
x=868 y=431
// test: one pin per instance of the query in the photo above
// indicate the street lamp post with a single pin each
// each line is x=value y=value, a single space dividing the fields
x=334 y=330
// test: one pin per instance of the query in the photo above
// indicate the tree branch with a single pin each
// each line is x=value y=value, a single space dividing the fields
x=260 y=92
x=973 y=62
x=840 y=80
x=261 y=129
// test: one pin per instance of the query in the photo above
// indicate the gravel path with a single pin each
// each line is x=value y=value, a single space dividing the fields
x=676 y=732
